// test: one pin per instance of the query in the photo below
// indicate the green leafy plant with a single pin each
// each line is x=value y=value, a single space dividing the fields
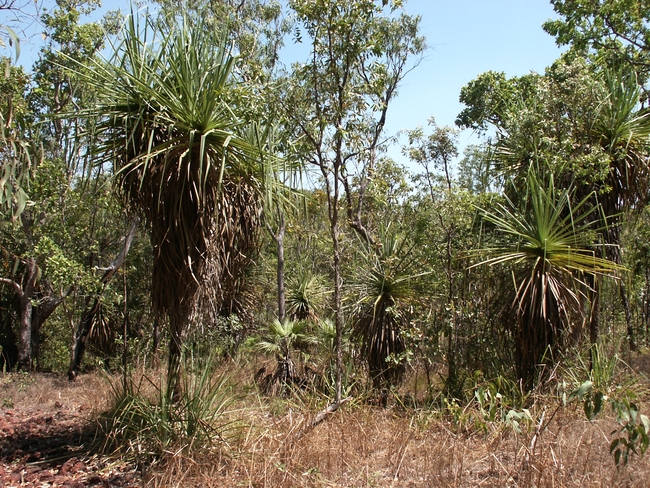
x=384 y=297
x=282 y=339
x=632 y=435
x=306 y=295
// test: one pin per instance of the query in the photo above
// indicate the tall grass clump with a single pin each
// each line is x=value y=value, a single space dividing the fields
x=145 y=424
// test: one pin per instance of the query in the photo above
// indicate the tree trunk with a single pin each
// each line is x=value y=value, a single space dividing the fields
x=173 y=393
x=278 y=237
x=85 y=324
x=25 y=357
x=594 y=319
x=338 y=320
x=628 y=316
x=25 y=334
x=40 y=314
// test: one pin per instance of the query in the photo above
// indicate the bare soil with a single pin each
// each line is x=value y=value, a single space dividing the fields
x=48 y=434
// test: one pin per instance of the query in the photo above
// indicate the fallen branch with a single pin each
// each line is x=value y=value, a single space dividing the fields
x=320 y=417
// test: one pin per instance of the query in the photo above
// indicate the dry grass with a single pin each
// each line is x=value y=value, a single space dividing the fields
x=373 y=447
x=90 y=394
x=366 y=446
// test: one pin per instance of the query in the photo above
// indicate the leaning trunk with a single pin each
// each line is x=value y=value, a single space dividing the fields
x=40 y=314
x=81 y=339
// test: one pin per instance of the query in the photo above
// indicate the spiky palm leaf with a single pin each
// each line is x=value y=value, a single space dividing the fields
x=549 y=248
x=623 y=131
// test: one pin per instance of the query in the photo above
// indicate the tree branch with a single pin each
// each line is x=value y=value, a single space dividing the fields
x=17 y=288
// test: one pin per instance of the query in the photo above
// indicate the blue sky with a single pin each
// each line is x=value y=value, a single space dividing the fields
x=467 y=38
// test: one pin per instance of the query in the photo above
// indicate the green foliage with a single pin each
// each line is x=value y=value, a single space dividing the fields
x=20 y=146
x=632 y=436
x=489 y=97
x=283 y=337
x=617 y=30
x=501 y=400
x=62 y=271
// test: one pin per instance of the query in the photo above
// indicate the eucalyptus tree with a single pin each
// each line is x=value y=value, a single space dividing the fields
x=169 y=107
x=616 y=30
x=45 y=149
x=338 y=101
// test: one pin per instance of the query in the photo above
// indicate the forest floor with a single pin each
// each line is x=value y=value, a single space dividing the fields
x=48 y=437
x=48 y=430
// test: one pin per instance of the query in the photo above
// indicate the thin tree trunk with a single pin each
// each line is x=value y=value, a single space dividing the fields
x=628 y=316
x=85 y=324
x=81 y=339
x=594 y=319
x=25 y=357
x=174 y=363
x=278 y=237
x=338 y=320
x=125 y=342
x=25 y=335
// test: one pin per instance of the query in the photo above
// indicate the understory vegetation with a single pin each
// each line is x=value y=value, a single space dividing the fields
x=272 y=300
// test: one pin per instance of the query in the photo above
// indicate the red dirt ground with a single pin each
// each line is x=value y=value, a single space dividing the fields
x=45 y=443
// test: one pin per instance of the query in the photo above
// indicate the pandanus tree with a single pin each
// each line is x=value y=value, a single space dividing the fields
x=548 y=244
x=383 y=299
x=622 y=131
x=167 y=110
